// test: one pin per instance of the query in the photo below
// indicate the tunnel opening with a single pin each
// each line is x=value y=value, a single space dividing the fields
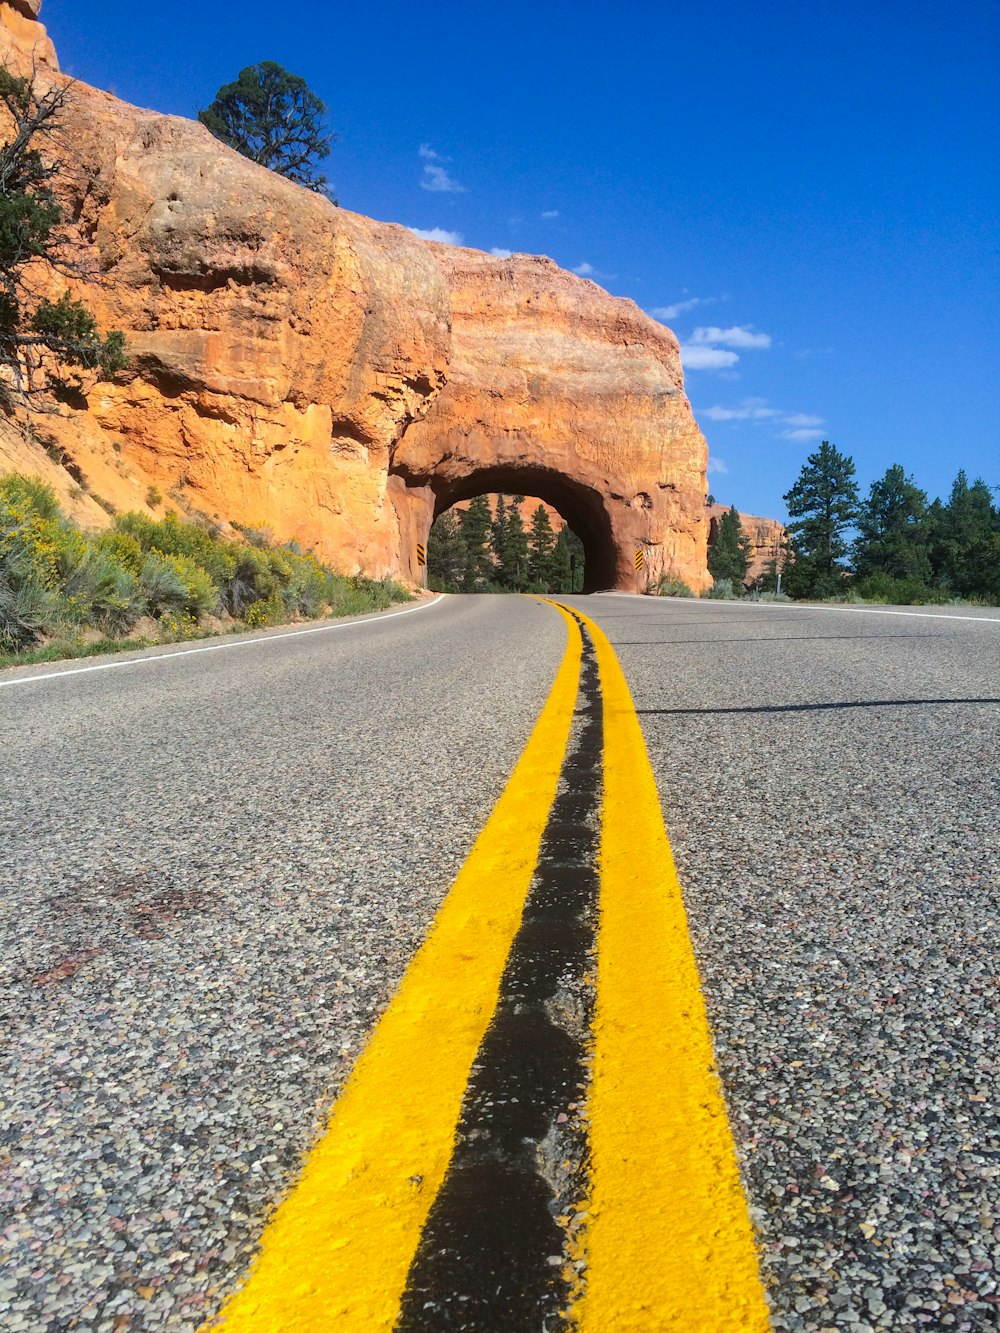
x=590 y=540
x=499 y=543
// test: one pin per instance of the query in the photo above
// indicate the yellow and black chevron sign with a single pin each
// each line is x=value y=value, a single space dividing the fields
x=638 y=561
x=421 y=554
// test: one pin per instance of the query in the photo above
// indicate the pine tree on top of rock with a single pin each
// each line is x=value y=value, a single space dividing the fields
x=273 y=118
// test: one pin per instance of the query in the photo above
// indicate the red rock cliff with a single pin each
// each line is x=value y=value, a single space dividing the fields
x=336 y=379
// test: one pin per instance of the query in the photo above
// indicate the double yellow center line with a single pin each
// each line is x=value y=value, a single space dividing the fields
x=667 y=1241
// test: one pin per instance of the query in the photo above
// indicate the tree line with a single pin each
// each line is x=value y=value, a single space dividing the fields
x=484 y=550
x=894 y=544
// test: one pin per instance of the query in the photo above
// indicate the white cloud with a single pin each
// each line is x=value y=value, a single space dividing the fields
x=706 y=358
x=550 y=213
x=717 y=465
x=436 y=177
x=800 y=426
x=500 y=252
x=678 y=308
x=585 y=269
x=740 y=335
x=750 y=409
x=437 y=234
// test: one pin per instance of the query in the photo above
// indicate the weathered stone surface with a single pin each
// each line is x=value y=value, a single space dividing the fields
x=22 y=38
x=767 y=537
x=296 y=366
x=559 y=390
x=279 y=346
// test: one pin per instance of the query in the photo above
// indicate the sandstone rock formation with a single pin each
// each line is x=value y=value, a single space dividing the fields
x=339 y=381
x=527 y=508
x=25 y=35
x=557 y=389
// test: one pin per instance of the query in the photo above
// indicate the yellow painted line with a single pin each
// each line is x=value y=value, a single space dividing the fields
x=337 y=1252
x=669 y=1243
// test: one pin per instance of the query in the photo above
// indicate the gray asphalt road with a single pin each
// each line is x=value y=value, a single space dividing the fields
x=837 y=832
x=216 y=867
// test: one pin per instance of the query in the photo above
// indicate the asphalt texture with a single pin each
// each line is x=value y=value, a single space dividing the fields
x=216 y=867
x=837 y=833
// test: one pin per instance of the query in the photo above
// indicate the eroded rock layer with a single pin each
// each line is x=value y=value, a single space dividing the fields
x=339 y=381
x=767 y=536
x=557 y=389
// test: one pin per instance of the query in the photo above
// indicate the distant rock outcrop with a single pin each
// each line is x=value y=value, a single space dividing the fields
x=338 y=380
x=767 y=538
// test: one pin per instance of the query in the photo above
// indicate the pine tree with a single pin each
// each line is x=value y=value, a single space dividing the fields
x=729 y=554
x=510 y=544
x=446 y=554
x=965 y=539
x=892 y=529
x=477 y=522
x=541 y=544
x=561 y=577
x=824 y=503
x=273 y=118
x=515 y=556
x=577 y=559
x=499 y=533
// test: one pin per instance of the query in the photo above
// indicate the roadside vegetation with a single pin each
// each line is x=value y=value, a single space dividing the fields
x=893 y=546
x=484 y=550
x=66 y=593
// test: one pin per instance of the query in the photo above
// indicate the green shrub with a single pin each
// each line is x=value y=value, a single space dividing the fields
x=176 y=626
x=310 y=589
x=29 y=494
x=154 y=497
x=359 y=593
x=27 y=607
x=261 y=537
x=268 y=611
x=101 y=592
x=172 y=536
x=881 y=587
x=669 y=587
x=252 y=580
x=175 y=583
x=123 y=549
x=55 y=580
x=49 y=545
x=722 y=590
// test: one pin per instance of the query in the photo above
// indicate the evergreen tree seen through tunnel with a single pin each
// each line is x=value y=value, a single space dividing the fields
x=487 y=549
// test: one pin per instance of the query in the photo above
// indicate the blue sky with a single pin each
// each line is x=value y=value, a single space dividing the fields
x=806 y=193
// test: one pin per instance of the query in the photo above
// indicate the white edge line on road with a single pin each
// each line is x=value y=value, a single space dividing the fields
x=221 y=647
x=877 y=611
x=811 y=606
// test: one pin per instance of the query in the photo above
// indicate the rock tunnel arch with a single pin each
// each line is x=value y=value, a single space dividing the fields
x=581 y=506
x=557 y=390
